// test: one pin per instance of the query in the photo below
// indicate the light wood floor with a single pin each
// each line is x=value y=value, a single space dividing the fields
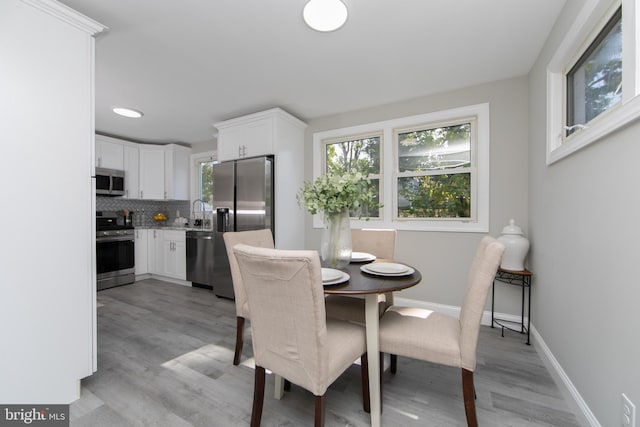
x=165 y=359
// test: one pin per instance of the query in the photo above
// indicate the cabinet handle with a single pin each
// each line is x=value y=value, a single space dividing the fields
x=239 y=150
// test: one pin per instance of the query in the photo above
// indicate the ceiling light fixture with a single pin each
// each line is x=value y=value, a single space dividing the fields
x=325 y=15
x=128 y=112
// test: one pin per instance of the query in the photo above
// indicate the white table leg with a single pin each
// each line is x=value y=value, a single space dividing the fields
x=373 y=350
x=278 y=392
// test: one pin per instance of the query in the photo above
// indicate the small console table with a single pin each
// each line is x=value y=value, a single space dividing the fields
x=517 y=278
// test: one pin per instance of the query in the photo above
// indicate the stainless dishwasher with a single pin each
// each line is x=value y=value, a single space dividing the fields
x=200 y=254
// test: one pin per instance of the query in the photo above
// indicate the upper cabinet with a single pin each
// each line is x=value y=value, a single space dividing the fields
x=109 y=153
x=131 y=171
x=152 y=172
x=281 y=134
x=256 y=134
x=176 y=172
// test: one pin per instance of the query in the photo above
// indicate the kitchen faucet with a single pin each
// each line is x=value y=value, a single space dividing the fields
x=202 y=209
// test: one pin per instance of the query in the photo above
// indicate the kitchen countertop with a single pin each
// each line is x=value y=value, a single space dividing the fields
x=171 y=227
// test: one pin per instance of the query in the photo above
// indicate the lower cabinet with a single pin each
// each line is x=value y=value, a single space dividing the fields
x=166 y=253
x=141 y=251
x=174 y=254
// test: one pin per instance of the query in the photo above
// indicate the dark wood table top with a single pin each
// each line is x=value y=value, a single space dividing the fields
x=362 y=283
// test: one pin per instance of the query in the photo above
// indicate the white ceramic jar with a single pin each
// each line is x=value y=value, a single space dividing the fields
x=517 y=247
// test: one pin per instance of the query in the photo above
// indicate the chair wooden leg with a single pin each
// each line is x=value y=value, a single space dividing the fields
x=364 y=372
x=320 y=403
x=381 y=365
x=468 y=391
x=258 y=397
x=239 y=339
x=394 y=363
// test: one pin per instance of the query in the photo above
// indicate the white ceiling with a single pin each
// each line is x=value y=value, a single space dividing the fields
x=188 y=64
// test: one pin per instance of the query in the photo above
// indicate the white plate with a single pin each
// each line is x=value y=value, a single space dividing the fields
x=330 y=274
x=344 y=277
x=387 y=269
x=362 y=257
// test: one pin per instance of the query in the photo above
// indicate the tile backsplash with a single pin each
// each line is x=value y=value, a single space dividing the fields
x=143 y=210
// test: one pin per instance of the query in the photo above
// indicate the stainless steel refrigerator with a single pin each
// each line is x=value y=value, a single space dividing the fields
x=243 y=200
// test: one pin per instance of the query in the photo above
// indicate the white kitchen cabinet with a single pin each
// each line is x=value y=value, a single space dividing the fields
x=109 y=153
x=152 y=172
x=248 y=136
x=141 y=252
x=174 y=254
x=176 y=172
x=48 y=309
x=131 y=171
x=281 y=134
x=154 y=251
x=167 y=253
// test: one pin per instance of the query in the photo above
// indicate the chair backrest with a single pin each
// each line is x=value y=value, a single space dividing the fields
x=288 y=320
x=379 y=242
x=481 y=274
x=259 y=238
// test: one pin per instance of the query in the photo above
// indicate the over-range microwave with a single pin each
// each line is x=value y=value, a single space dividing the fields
x=109 y=182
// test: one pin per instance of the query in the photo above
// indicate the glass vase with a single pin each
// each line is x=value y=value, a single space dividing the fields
x=335 y=248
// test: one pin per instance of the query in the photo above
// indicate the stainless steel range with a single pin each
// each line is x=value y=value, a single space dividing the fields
x=115 y=254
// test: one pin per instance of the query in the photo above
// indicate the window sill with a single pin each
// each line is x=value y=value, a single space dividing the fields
x=449 y=226
x=597 y=129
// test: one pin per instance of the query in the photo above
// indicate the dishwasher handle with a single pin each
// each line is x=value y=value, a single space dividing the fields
x=199 y=235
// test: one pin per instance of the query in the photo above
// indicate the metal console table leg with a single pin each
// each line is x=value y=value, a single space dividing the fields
x=517 y=278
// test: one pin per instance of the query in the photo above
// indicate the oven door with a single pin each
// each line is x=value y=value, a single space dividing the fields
x=115 y=261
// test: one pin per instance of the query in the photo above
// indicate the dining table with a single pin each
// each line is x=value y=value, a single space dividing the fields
x=369 y=285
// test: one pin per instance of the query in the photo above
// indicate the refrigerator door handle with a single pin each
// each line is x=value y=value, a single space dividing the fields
x=223 y=219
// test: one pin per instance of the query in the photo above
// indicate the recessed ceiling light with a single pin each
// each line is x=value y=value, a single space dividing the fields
x=325 y=15
x=128 y=112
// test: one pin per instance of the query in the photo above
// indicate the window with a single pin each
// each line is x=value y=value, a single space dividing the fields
x=436 y=176
x=362 y=154
x=594 y=84
x=202 y=178
x=592 y=80
x=434 y=171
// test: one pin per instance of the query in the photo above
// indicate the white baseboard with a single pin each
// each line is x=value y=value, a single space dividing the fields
x=164 y=279
x=560 y=376
x=453 y=310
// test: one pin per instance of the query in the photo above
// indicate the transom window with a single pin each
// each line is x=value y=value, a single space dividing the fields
x=436 y=176
x=594 y=84
x=593 y=79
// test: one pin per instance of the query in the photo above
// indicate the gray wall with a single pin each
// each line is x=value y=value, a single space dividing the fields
x=444 y=258
x=204 y=146
x=583 y=225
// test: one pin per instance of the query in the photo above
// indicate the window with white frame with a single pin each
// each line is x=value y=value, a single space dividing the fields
x=592 y=80
x=359 y=153
x=202 y=181
x=436 y=176
x=435 y=170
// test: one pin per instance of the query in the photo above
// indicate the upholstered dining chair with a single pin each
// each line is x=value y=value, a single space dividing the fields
x=378 y=242
x=260 y=238
x=291 y=335
x=425 y=335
